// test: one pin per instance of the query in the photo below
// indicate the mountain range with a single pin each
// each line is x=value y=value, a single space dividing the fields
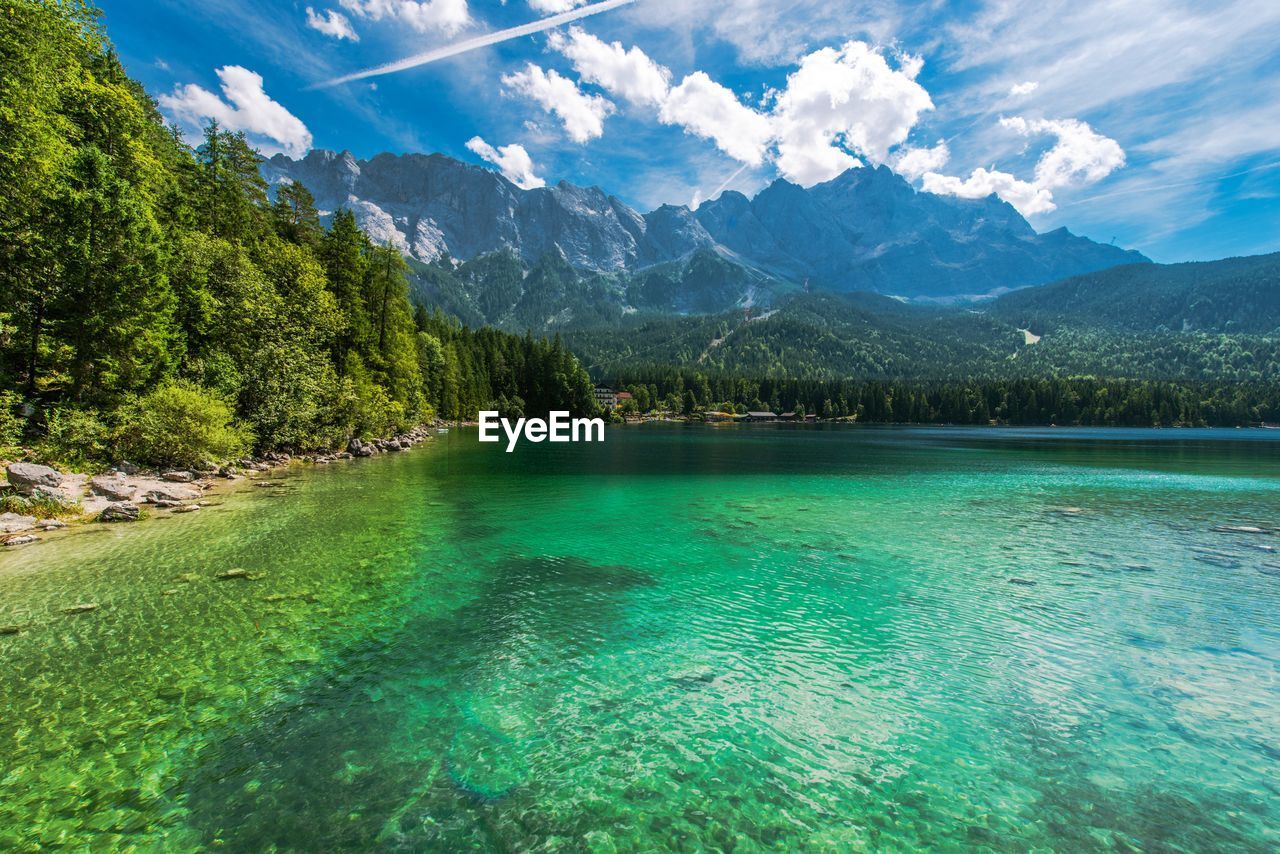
x=866 y=230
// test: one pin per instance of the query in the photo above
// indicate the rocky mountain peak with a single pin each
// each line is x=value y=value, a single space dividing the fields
x=866 y=229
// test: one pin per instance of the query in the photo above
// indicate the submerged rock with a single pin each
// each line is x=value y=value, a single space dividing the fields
x=169 y=492
x=25 y=478
x=233 y=573
x=121 y=511
x=10 y=630
x=81 y=609
x=19 y=539
x=186 y=508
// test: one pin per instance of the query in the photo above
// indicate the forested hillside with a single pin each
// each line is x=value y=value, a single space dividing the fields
x=151 y=293
x=823 y=336
x=1234 y=295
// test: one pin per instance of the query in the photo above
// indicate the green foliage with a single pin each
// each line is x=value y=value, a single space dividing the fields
x=11 y=423
x=162 y=289
x=181 y=424
x=75 y=436
x=41 y=505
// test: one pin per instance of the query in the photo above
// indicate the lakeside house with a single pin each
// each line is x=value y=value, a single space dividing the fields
x=762 y=416
x=606 y=398
x=622 y=397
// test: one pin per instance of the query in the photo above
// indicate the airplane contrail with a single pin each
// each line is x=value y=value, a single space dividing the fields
x=475 y=43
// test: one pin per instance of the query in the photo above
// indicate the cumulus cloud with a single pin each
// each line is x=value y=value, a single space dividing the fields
x=1024 y=88
x=512 y=161
x=843 y=104
x=582 y=114
x=331 y=23
x=1023 y=195
x=429 y=16
x=838 y=106
x=1079 y=157
x=913 y=162
x=247 y=108
x=630 y=74
x=705 y=108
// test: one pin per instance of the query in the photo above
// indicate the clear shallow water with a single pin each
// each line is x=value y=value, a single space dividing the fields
x=693 y=638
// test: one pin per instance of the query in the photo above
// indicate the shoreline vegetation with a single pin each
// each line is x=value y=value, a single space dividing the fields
x=159 y=303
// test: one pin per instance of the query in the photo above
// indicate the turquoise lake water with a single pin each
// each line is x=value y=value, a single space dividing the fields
x=694 y=638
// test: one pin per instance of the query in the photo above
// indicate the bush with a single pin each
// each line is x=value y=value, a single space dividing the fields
x=181 y=424
x=41 y=505
x=75 y=437
x=10 y=423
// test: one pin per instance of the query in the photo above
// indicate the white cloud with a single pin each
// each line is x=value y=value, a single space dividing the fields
x=631 y=74
x=1023 y=195
x=1080 y=157
x=266 y=122
x=912 y=162
x=705 y=108
x=551 y=7
x=444 y=16
x=1026 y=88
x=842 y=103
x=839 y=105
x=512 y=161
x=331 y=23
x=582 y=114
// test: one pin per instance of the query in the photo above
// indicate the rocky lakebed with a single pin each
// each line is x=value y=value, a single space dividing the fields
x=127 y=493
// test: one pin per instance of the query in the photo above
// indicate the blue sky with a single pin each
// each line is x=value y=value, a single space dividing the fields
x=1156 y=124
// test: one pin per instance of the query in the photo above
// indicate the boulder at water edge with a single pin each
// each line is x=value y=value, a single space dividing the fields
x=25 y=478
x=121 y=511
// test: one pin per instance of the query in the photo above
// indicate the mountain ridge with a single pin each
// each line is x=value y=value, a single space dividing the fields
x=866 y=229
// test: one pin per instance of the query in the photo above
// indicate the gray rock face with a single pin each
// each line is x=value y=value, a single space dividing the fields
x=120 y=512
x=178 y=476
x=26 y=478
x=867 y=229
x=430 y=205
x=114 y=488
x=12 y=523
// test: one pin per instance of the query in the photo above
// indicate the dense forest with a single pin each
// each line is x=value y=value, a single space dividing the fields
x=1232 y=296
x=157 y=301
x=1062 y=401
x=827 y=336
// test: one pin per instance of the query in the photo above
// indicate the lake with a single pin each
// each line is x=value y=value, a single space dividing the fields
x=694 y=638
